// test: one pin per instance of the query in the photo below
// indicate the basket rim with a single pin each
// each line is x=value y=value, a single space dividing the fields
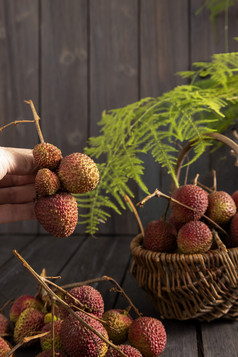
x=137 y=249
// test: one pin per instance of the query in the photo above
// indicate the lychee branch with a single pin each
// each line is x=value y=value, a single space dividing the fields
x=15 y=123
x=36 y=119
x=25 y=340
x=52 y=294
x=158 y=193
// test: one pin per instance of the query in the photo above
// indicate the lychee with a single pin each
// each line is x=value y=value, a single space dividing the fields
x=46 y=341
x=117 y=324
x=221 y=207
x=4 y=325
x=89 y=297
x=47 y=155
x=79 y=341
x=192 y=196
x=46 y=182
x=194 y=237
x=234 y=231
x=22 y=303
x=4 y=347
x=48 y=318
x=148 y=335
x=78 y=173
x=29 y=323
x=127 y=349
x=160 y=236
x=58 y=214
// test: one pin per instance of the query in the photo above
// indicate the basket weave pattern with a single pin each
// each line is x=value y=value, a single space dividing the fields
x=189 y=286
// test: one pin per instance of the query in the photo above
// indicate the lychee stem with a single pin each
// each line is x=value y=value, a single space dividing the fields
x=15 y=123
x=195 y=181
x=52 y=294
x=25 y=340
x=127 y=199
x=158 y=193
x=36 y=119
x=214 y=174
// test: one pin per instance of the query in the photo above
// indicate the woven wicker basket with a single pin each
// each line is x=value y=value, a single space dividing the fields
x=191 y=286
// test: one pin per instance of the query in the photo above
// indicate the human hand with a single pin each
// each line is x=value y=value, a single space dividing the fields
x=17 y=189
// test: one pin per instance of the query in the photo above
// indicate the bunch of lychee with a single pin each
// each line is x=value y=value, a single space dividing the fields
x=29 y=316
x=57 y=179
x=195 y=214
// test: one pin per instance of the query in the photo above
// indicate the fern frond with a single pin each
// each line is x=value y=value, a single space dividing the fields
x=155 y=126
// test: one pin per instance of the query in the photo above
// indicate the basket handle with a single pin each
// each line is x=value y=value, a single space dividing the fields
x=217 y=136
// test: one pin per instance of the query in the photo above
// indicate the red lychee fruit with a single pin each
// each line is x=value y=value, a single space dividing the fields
x=160 y=236
x=117 y=324
x=4 y=325
x=89 y=297
x=127 y=349
x=58 y=214
x=47 y=156
x=46 y=341
x=192 y=196
x=22 y=303
x=234 y=231
x=29 y=323
x=221 y=207
x=4 y=347
x=194 y=237
x=78 y=173
x=79 y=341
x=46 y=182
x=148 y=335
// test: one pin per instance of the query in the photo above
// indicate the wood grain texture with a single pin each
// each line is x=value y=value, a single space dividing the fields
x=64 y=56
x=19 y=80
x=113 y=73
x=220 y=339
x=164 y=50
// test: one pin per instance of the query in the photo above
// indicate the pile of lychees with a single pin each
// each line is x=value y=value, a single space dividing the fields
x=29 y=316
x=56 y=180
x=195 y=214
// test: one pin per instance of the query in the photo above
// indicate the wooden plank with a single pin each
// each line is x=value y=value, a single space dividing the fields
x=64 y=75
x=164 y=49
x=19 y=79
x=97 y=257
x=45 y=252
x=113 y=74
x=220 y=338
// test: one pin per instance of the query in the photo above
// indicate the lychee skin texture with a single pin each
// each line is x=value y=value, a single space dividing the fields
x=221 y=207
x=29 y=323
x=4 y=347
x=192 y=196
x=160 y=236
x=127 y=349
x=23 y=302
x=4 y=324
x=234 y=231
x=46 y=182
x=78 y=173
x=148 y=335
x=58 y=214
x=194 y=237
x=76 y=339
x=48 y=353
x=89 y=297
x=47 y=155
x=46 y=341
x=235 y=198
x=117 y=324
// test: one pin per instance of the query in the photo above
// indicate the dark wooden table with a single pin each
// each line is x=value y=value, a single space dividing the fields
x=80 y=258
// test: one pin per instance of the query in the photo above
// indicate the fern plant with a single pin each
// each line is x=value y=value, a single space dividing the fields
x=152 y=126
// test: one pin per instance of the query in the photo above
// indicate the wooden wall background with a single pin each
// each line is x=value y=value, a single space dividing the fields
x=76 y=58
